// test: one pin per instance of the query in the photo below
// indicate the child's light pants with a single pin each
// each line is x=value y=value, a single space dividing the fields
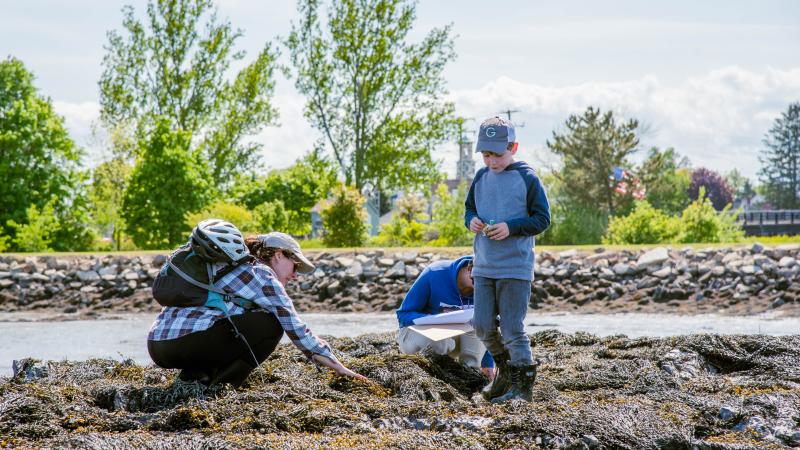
x=509 y=299
x=467 y=347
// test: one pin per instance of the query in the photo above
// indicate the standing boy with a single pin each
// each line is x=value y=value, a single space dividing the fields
x=505 y=208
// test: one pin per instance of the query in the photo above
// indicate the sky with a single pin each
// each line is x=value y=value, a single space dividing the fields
x=706 y=78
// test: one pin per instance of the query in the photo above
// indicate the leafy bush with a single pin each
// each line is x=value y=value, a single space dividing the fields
x=401 y=233
x=448 y=217
x=700 y=222
x=574 y=224
x=272 y=216
x=644 y=225
x=37 y=234
x=235 y=214
x=344 y=218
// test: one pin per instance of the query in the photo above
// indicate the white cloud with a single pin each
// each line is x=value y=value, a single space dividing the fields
x=292 y=138
x=78 y=118
x=716 y=119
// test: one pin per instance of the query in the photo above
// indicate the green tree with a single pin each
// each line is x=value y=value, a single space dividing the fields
x=344 y=218
x=448 y=217
x=167 y=183
x=735 y=180
x=572 y=223
x=272 y=216
x=109 y=180
x=590 y=147
x=411 y=207
x=747 y=192
x=780 y=160
x=298 y=188
x=666 y=178
x=38 y=160
x=244 y=220
x=377 y=99
x=173 y=66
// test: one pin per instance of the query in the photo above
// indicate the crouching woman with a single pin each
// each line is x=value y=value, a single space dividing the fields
x=209 y=348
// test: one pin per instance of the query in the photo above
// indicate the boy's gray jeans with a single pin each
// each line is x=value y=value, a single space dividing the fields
x=509 y=299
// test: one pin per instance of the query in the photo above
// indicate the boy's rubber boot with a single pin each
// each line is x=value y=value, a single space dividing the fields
x=235 y=374
x=502 y=381
x=522 y=379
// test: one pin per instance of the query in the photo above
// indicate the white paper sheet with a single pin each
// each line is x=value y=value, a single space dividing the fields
x=461 y=316
x=444 y=331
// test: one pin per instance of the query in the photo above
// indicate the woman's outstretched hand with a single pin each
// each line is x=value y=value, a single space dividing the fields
x=337 y=367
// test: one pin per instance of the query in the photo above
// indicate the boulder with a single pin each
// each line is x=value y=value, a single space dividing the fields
x=397 y=271
x=653 y=257
x=87 y=275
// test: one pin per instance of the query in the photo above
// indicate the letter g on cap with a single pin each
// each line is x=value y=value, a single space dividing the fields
x=490 y=132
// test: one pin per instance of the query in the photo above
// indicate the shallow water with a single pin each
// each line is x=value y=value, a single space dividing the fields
x=126 y=337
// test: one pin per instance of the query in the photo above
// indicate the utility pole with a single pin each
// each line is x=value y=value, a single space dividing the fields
x=508 y=113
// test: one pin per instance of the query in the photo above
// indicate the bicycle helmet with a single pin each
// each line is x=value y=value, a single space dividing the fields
x=219 y=241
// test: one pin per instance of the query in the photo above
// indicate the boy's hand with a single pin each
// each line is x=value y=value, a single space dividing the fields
x=476 y=225
x=498 y=231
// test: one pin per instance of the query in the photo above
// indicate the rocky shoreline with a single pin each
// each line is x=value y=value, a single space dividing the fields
x=741 y=280
x=690 y=392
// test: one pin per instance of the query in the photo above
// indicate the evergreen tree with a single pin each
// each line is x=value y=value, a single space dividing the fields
x=780 y=159
x=591 y=147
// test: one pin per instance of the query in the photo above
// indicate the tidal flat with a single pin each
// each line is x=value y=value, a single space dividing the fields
x=700 y=391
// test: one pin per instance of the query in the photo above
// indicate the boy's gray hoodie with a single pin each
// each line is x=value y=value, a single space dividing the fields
x=517 y=197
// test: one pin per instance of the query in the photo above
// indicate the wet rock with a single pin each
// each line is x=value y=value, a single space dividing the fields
x=756 y=425
x=683 y=364
x=726 y=413
x=27 y=370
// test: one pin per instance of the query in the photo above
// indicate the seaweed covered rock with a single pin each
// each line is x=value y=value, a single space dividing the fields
x=699 y=391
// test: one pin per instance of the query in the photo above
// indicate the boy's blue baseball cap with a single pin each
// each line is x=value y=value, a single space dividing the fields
x=494 y=136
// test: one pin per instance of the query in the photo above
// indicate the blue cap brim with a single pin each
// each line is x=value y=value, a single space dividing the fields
x=494 y=147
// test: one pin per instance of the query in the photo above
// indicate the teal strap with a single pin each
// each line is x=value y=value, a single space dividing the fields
x=216 y=300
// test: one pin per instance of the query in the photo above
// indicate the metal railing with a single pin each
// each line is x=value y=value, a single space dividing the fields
x=776 y=217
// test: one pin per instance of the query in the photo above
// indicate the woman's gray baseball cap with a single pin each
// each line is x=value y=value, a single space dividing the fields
x=494 y=136
x=285 y=242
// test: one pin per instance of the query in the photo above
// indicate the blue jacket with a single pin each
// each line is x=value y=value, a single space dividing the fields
x=436 y=286
x=517 y=197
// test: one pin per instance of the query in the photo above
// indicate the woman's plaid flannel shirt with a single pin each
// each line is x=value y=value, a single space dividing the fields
x=257 y=283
